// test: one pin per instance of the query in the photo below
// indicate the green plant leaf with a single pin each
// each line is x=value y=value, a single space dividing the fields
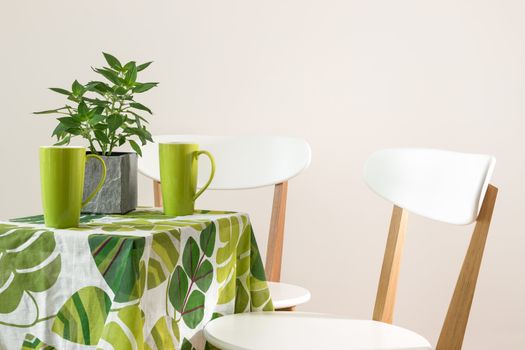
x=69 y=122
x=194 y=309
x=50 y=111
x=81 y=319
x=140 y=106
x=100 y=126
x=114 y=122
x=91 y=86
x=112 y=61
x=121 y=140
x=142 y=133
x=109 y=75
x=146 y=134
x=137 y=117
x=190 y=257
x=99 y=104
x=77 y=89
x=121 y=90
x=144 y=87
x=73 y=98
x=92 y=111
x=83 y=109
x=61 y=91
x=131 y=73
x=118 y=258
x=97 y=118
x=135 y=147
x=101 y=136
x=59 y=130
x=178 y=288
x=129 y=65
x=74 y=131
x=100 y=109
x=66 y=140
x=143 y=66
x=98 y=86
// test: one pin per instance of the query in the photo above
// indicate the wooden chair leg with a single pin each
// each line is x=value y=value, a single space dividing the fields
x=291 y=308
x=455 y=325
x=386 y=291
x=157 y=194
x=274 y=252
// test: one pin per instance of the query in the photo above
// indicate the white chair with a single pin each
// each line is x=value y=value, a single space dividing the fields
x=446 y=186
x=244 y=162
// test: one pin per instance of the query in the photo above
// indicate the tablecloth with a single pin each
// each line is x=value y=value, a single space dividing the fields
x=136 y=281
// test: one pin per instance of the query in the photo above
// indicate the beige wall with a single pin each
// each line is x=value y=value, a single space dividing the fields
x=351 y=77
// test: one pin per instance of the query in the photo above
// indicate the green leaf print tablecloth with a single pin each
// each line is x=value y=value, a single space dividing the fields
x=136 y=281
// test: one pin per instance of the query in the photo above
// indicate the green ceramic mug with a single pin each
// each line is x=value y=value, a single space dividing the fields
x=178 y=176
x=62 y=181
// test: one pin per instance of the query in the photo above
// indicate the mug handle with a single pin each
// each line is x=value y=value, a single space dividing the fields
x=99 y=186
x=212 y=174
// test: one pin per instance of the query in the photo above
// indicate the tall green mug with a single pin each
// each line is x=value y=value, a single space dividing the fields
x=178 y=176
x=62 y=182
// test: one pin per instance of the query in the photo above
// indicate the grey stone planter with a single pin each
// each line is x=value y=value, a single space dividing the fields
x=119 y=192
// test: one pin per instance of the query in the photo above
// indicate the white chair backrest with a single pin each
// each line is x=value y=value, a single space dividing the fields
x=242 y=162
x=441 y=185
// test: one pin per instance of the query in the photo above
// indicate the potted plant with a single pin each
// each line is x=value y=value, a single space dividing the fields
x=106 y=114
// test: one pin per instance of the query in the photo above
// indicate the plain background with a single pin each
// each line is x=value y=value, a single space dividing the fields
x=350 y=77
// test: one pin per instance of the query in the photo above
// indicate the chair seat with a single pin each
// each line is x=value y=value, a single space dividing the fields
x=299 y=330
x=287 y=295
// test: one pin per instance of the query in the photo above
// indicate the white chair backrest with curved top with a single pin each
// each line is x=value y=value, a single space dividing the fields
x=441 y=185
x=243 y=162
x=447 y=186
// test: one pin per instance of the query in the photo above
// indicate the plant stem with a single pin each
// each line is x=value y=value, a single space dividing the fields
x=112 y=140
x=101 y=148
x=91 y=146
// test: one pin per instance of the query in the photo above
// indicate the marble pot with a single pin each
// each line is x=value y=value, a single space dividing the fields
x=119 y=192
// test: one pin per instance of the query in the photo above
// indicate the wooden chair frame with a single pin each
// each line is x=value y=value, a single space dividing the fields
x=455 y=324
x=274 y=252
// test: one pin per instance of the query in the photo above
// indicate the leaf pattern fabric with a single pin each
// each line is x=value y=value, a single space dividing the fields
x=81 y=319
x=118 y=260
x=28 y=263
x=165 y=257
x=125 y=331
x=137 y=281
x=164 y=335
x=33 y=343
